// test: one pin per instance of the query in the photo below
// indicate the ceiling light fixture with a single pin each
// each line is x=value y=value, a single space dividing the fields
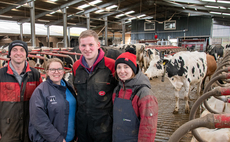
x=52 y=12
x=111 y=7
x=129 y=12
x=87 y=5
x=19 y=6
x=119 y=15
x=148 y=17
x=226 y=14
x=99 y=11
x=132 y=18
x=95 y=2
x=223 y=1
x=83 y=6
x=215 y=12
x=210 y=0
x=209 y=6
x=141 y=15
x=221 y=7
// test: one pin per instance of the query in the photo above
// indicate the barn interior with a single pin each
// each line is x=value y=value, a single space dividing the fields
x=161 y=24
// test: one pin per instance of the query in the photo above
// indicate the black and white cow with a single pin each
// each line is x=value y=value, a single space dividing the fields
x=183 y=69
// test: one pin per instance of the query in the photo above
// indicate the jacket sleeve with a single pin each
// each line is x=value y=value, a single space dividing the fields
x=148 y=110
x=40 y=120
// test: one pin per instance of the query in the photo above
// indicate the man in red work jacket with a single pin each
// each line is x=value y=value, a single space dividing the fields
x=17 y=83
x=94 y=82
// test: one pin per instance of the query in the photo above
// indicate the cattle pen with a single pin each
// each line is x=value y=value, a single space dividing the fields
x=167 y=121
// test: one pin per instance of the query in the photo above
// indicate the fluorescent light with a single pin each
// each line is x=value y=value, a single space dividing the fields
x=141 y=16
x=210 y=0
x=53 y=12
x=215 y=12
x=209 y=6
x=129 y=12
x=223 y=1
x=132 y=18
x=83 y=6
x=110 y=7
x=95 y=2
x=128 y=22
x=19 y=6
x=226 y=14
x=99 y=11
x=53 y=0
x=183 y=7
x=119 y=15
x=148 y=17
x=70 y=15
x=221 y=7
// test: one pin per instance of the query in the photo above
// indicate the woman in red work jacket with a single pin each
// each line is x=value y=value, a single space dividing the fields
x=135 y=107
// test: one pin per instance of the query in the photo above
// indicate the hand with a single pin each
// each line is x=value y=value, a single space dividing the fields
x=64 y=140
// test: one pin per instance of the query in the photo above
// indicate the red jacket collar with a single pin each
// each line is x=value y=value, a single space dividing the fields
x=9 y=70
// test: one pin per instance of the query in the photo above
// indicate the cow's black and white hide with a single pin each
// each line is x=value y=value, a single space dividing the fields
x=183 y=69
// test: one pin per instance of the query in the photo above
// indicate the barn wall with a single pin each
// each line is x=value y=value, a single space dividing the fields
x=185 y=26
x=220 y=33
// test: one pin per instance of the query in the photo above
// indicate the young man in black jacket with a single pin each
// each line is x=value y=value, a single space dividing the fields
x=94 y=82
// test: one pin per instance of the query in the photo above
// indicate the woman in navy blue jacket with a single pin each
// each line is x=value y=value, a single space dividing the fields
x=53 y=107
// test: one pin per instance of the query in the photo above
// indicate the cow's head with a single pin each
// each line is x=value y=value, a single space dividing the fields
x=156 y=67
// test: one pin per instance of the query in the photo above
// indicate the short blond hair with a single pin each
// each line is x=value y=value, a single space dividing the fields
x=88 y=33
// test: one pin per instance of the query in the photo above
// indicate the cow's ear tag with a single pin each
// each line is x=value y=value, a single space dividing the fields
x=164 y=63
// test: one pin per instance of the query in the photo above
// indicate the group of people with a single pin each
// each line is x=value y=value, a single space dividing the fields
x=109 y=100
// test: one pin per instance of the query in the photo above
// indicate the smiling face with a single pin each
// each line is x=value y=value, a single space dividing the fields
x=124 y=72
x=89 y=48
x=18 y=55
x=55 y=72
